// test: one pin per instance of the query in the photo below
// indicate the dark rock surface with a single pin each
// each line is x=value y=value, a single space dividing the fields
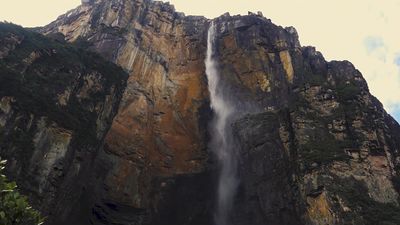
x=56 y=104
x=268 y=193
x=316 y=148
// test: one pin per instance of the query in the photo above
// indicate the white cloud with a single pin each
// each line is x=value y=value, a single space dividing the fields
x=373 y=43
x=376 y=47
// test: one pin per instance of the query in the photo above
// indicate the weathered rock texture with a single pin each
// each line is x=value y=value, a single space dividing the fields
x=317 y=147
x=57 y=103
x=160 y=129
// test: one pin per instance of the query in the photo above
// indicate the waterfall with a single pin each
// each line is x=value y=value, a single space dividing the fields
x=221 y=143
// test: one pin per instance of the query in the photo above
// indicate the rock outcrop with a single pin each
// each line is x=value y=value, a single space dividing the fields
x=57 y=103
x=316 y=148
x=159 y=133
x=324 y=151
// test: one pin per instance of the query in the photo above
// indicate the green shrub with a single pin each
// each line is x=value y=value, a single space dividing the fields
x=14 y=207
x=348 y=91
x=322 y=150
x=315 y=79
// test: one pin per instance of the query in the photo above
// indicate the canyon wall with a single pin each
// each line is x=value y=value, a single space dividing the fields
x=315 y=147
x=57 y=103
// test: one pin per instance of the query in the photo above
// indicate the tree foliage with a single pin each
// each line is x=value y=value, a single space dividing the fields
x=14 y=207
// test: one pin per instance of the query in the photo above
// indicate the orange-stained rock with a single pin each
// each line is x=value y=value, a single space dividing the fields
x=158 y=131
x=314 y=133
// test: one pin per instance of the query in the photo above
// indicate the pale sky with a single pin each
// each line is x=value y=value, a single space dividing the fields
x=365 y=32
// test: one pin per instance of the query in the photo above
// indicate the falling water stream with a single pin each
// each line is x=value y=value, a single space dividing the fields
x=221 y=134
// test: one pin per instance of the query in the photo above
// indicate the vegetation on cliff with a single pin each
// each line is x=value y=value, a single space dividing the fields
x=371 y=212
x=35 y=63
x=56 y=104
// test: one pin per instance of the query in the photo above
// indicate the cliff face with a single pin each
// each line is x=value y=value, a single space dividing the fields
x=56 y=105
x=315 y=148
x=324 y=150
x=159 y=133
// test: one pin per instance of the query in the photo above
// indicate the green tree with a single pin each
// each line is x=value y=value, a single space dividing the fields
x=14 y=207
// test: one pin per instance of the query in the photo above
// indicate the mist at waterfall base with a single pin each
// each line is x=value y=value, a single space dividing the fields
x=226 y=109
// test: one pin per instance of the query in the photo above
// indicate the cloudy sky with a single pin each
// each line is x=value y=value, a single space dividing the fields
x=365 y=32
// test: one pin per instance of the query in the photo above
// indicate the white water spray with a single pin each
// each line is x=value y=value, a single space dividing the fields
x=221 y=135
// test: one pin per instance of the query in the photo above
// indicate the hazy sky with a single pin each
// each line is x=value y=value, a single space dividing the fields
x=365 y=32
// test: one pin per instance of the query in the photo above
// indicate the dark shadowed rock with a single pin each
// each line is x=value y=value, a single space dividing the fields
x=57 y=103
x=313 y=138
x=268 y=194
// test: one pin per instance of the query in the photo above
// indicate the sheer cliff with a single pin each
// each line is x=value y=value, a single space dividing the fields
x=57 y=103
x=314 y=146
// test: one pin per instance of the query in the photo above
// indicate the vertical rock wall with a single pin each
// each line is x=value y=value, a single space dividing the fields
x=57 y=103
x=316 y=135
